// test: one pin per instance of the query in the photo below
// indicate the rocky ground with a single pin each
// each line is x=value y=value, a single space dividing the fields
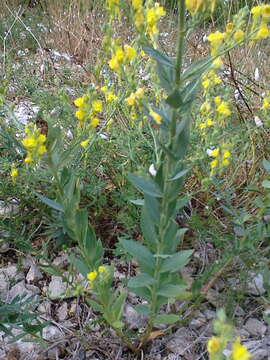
x=75 y=331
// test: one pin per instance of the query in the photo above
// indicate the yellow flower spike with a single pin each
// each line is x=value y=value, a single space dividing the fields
x=29 y=142
x=239 y=35
x=97 y=106
x=84 y=143
x=214 y=345
x=92 y=276
x=101 y=269
x=157 y=118
x=239 y=352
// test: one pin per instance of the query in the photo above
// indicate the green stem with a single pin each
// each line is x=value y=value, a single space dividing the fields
x=168 y=168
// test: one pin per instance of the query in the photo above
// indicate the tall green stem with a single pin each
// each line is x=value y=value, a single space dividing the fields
x=168 y=168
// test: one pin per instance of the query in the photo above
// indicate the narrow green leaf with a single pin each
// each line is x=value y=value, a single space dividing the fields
x=147 y=186
x=159 y=57
x=176 y=261
x=95 y=305
x=179 y=175
x=138 y=202
x=141 y=280
x=144 y=257
x=172 y=291
x=266 y=184
x=80 y=265
x=51 y=203
x=118 y=324
x=195 y=70
x=166 y=319
x=266 y=165
x=143 y=309
x=53 y=270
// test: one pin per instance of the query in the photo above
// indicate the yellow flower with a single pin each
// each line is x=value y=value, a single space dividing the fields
x=84 y=143
x=14 y=174
x=94 y=122
x=225 y=162
x=239 y=352
x=214 y=344
x=80 y=101
x=217 y=100
x=153 y=15
x=80 y=115
x=217 y=63
x=41 y=139
x=266 y=12
x=111 y=96
x=28 y=159
x=223 y=109
x=226 y=154
x=266 y=104
x=130 y=53
x=209 y=122
x=155 y=116
x=215 y=153
x=214 y=164
x=229 y=27
x=29 y=142
x=263 y=32
x=131 y=100
x=97 y=105
x=206 y=84
x=101 y=269
x=256 y=11
x=200 y=5
x=104 y=88
x=92 y=276
x=139 y=93
x=239 y=35
x=216 y=38
x=119 y=55
x=114 y=64
x=202 y=126
x=41 y=149
x=137 y=4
